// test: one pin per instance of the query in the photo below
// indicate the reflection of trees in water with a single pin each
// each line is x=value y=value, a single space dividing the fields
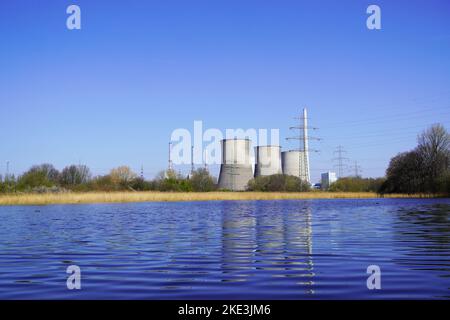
x=265 y=241
x=423 y=233
x=431 y=222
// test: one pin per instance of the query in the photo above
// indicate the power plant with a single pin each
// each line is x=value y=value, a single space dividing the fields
x=236 y=168
x=268 y=160
x=293 y=163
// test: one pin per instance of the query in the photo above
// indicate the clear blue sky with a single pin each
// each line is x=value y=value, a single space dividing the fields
x=112 y=92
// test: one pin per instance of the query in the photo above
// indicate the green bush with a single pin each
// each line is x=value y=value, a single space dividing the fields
x=278 y=182
x=44 y=175
x=101 y=183
x=172 y=181
x=140 y=184
x=8 y=185
x=356 y=184
x=443 y=183
x=202 y=181
x=171 y=184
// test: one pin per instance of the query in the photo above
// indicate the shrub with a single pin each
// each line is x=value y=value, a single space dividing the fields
x=278 y=182
x=140 y=184
x=44 y=175
x=75 y=175
x=202 y=181
x=356 y=184
x=101 y=183
x=121 y=177
x=171 y=181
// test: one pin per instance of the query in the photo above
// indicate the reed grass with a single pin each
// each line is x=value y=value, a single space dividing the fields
x=153 y=196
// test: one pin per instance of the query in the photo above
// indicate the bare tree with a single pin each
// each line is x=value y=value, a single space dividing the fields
x=47 y=170
x=201 y=180
x=434 y=151
x=75 y=175
x=122 y=176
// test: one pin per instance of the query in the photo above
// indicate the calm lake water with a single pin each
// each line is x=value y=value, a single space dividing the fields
x=313 y=249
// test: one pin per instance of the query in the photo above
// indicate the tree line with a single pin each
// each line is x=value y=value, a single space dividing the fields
x=46 y=178
x=425 y=169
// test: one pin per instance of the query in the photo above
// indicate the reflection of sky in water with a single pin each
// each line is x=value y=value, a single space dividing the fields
x=226 y=249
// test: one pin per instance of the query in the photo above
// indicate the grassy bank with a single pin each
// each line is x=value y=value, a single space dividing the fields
x=116 y=197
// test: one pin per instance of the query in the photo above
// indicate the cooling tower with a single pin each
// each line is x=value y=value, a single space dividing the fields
x=268 y=160
x=236 y=169
x=293 y=163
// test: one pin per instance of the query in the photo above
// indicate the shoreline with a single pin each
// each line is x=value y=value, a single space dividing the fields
x=155 y=196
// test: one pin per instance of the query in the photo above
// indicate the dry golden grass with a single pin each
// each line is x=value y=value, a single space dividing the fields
x=151 y=196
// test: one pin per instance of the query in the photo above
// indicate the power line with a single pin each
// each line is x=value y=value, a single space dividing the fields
x=420 y=101
x=414 y=102
x=192 y=160
x=398 y=132
x=170 y=155
x=390 y=142
x=303 y=138
x=7 y=171
x=356 y=169
x=205 y=159
x=383 y=119
x=340 y=160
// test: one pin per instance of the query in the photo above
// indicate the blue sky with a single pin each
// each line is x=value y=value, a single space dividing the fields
x=111 y=93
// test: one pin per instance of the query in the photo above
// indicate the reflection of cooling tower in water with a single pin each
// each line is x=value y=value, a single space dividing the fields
x=293 y=163
x=238 y=241
x=284 y=242
x=236 y=169
x=268 y=160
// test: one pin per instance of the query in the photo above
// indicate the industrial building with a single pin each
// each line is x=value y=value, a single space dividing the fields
x=328 y=178
x=236 y=168
x=293 y=163
x=268 y=160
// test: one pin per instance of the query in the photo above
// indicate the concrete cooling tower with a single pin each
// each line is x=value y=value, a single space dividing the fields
x=293 y=163
x=236 y=168
x=268 y=160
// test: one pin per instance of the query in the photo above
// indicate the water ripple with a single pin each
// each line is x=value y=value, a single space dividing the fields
x=313 y=249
